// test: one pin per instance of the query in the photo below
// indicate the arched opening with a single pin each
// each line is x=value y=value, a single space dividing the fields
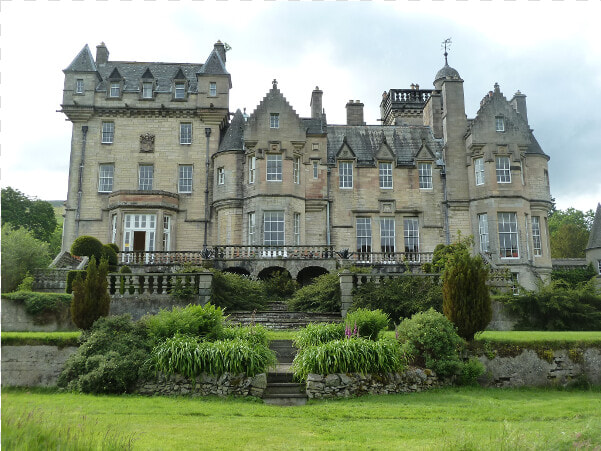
x=271 y=271
x=306 y=275
x=237 y=270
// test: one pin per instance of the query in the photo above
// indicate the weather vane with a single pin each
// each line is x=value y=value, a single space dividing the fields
x=447 y=45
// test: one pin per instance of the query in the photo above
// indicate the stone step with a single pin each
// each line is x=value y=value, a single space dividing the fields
x=278 y=306
x=281 y=319
x=284 y=350
x=279 y=377
x=284 y=388
x=286 y=400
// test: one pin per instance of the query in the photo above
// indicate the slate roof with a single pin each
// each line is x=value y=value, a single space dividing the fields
x=234 y=136
x=594 y=239
x=447 y=72
x=315 y=126
x=164 y=74
x=534 y=147
x=214 y=65
x=83 y=62
x=365 y=141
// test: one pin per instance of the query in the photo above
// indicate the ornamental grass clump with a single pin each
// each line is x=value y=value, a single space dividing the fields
x=190 y=357
x=202 y=321
x=318 y=333
x=255 y=334
x=368 y=322
x=355 y=355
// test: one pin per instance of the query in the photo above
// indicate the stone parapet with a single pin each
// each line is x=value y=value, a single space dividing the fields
x=343 y=385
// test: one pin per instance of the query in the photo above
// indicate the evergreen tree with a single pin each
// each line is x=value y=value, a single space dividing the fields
x=466 y=298
x=91 y=298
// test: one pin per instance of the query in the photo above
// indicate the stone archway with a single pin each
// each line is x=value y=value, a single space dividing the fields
x=268 y=272
x=306 y=275
x=237 y=270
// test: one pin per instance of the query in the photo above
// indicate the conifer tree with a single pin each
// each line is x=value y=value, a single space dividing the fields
x=91 y=298
x=466 y=298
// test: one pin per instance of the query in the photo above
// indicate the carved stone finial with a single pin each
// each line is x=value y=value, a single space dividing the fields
x=275 y=84
x=147 y=142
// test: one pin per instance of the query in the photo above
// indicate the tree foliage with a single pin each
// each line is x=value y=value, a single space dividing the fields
x=466 y=298
x=21 y=253
x=87 y=246
x=34 y=215
x=569 y=230
x=322 y=295
x=91 y=299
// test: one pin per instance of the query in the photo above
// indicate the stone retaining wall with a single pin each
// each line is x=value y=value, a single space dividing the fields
x=342 y=385
x=33 y=366
x=225 y=385
x=552 y=368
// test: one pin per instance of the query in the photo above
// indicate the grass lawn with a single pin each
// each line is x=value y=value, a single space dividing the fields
x=41 y=338
x=467 y=418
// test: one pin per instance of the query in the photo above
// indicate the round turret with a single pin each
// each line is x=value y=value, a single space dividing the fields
x=446 y=73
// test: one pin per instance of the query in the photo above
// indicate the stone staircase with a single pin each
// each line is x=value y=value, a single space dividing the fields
x=281 y=390
x=277 y=316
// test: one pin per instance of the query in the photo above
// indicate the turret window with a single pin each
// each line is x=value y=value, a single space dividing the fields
x=79 y=86
x=538 y=250
x=483 y=232
x=221 y=176
x=274 y=167
x=508 y=235
x=252 y=169
x=273 y=226
x=212 y=89
x=479 y=170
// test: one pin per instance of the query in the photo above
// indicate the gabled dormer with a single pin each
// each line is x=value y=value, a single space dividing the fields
x=384 y=152
x=114 y=89
x=147 y=85
x=180 y=86
x=345 y=152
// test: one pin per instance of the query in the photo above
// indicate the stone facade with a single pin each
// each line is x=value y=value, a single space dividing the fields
x=343 y=385
x=158 y=165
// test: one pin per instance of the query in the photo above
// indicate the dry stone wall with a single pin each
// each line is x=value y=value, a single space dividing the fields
x=343 y=385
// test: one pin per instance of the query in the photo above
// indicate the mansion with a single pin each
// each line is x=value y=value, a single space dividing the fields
x=162 y=168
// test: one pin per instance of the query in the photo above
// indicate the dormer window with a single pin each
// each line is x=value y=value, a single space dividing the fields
x=79 y=86
x=180 y=90
x=212 y=89
x=147 y=90
x=500 y=123
x=115 y=90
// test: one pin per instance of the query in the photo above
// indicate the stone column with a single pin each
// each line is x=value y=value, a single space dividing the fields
x=346 y=291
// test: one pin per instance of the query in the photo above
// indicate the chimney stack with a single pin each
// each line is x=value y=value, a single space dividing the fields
x=354 y=113
x=220 y=48
x=316 y=103
x=519 y=104
x=102 y=54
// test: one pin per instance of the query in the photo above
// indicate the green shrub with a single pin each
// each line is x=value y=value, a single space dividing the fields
x=125 y=269
x=21 y=253
x=355 y=355
x=400 y=297
x=254 y=334
x=110 y=254
x=110 y=359
x=201 y=321
x=368 y=322
x=316 y=334
x=556 y=306
x=71 y=275
x=279 y=285
x=574 y=277
x=184 y=288
x=41 y=303
x=87 y=246
x=114 y=247
x=27 y=283
x=190 y=357
x=322 y=295
x=430 y=339
x=91 y=299
x=235 y=292
x=471 y=371
x=466 y=297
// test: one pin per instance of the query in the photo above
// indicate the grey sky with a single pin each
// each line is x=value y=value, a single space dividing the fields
x=547 y=50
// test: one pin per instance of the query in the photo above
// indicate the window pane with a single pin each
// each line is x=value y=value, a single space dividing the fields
x=297 y=229
x=425 y=175
x=185 y=133
x=538 y=250
x=251 y=228
x=146 y=177
x=364 y=236
x=212 y=89
x=500 y=124
x=315 y=170
x=345 y=173
x=108 y=132
x=79 y=86
x=479 y=170
x=274 y=167
x=185 y=179
x=385 y=175
x=387 y=235
x=252 y=162
x=147 y=90
x=508 y=235
x=483 y=232
x=105 y=180
x=296 y=170
x=180 y=90
x=115 y=90
x=273 y=226
x=411 y=235
x=503 y=170
x=274 y=120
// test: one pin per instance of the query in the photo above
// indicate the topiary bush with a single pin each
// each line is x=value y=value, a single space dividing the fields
x=87 y=246
x=322 y=295
x=235 y=292
x=355 y=355
x=369 y=322
x=466 y=297
x=91 y=298
x=111 y=358
x=316 y=334
x=400 y=297
x=191 y=356
x=110 y=254
x=114 y=247
x=197 y=320
x=429 y=339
